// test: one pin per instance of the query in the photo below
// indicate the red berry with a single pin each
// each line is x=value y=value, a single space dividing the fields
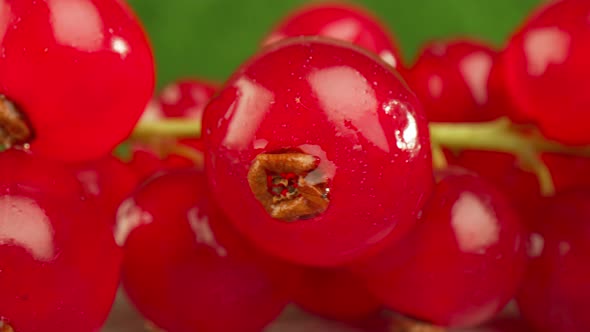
x=568 y=172
x=342 y=22
x=507 y=174
x=336 y=294
x=462 y=263
x=454 y=83
x=59 y=264
x=72 y=68
x=556 y=293
x=185 y=269
x=350 y=130
x=107 y=180
x=547 y=69
x=181 y=99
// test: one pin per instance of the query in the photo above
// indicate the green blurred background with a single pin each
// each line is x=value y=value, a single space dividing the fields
x=210 y=38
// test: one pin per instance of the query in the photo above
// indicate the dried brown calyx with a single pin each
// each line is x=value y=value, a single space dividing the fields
x=4 y=327
x=278 y=181
x=14 y=127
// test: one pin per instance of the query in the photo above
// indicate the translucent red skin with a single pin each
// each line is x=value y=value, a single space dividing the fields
x=380 y=180
x=456 y=81
x=568 y=172
x=342 y=22
x=447 y=272
x=546 y=69
x=556 y=294
x=186 y=98
x=521 y=187
x=108 y=181
x=60 y=275
x=506 y=324
x=335 y=294
x=73 y=70
x=182 y=278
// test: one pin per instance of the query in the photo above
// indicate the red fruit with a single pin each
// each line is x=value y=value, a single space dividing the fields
x=462 y=263
x=454 y=82
x=568 y=172
x=506 y=173
x=185 y=269
x=318 y=152
x=107 y=180
x=335 y=294
x=72 y=68
x=59 y=262
x=145 y=162
x=547 y=69
x=181 y=99
x=556 y=293
x=342 y=22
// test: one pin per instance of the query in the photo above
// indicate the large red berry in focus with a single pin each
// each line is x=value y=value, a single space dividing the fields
x=342 y=22
x=555 y=295
x=454 y=82
x=80 y=72
x=59 y=262
x=318 y=152
x=546 y=69
x=336 y=294
x=185 y=268
x=463 y=262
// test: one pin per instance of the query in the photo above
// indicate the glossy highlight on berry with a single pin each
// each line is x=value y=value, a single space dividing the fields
x=463 y=262
x=357 y=138
x=69 y=69
x=202 y=275
x=59 y=262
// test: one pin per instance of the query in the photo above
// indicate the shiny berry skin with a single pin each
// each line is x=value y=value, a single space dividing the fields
x=108 y=181
x=342 y=22
x=568 y=172
x=58 y=260
x=556 y=293
x=462 y=263
x=454 y=81
x=185 y=98
x=342 y=136
x=73 y=68
x=547 y=70
x=336 y=294
x=185 y=269
x=519 y=185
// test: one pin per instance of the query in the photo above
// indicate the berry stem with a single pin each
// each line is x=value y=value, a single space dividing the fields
x=499 y=135
x=178 y=128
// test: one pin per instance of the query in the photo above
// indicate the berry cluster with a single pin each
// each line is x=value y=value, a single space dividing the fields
x=322 y=178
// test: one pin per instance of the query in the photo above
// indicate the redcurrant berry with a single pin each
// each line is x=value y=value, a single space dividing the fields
x=182 y=99
x=59 y=264
x=547 y=69
x=568 y=172
x=318 y=152
x=107 y=180
x=336 y=294
x=454 y=83
x=462 y=263
x=68 y=70
x=185 y=269
x=343 y=22
x=520 y=186
x=556 y=292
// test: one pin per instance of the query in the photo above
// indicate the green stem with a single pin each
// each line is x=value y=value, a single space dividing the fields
x=499 y=135
x=178 y=128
